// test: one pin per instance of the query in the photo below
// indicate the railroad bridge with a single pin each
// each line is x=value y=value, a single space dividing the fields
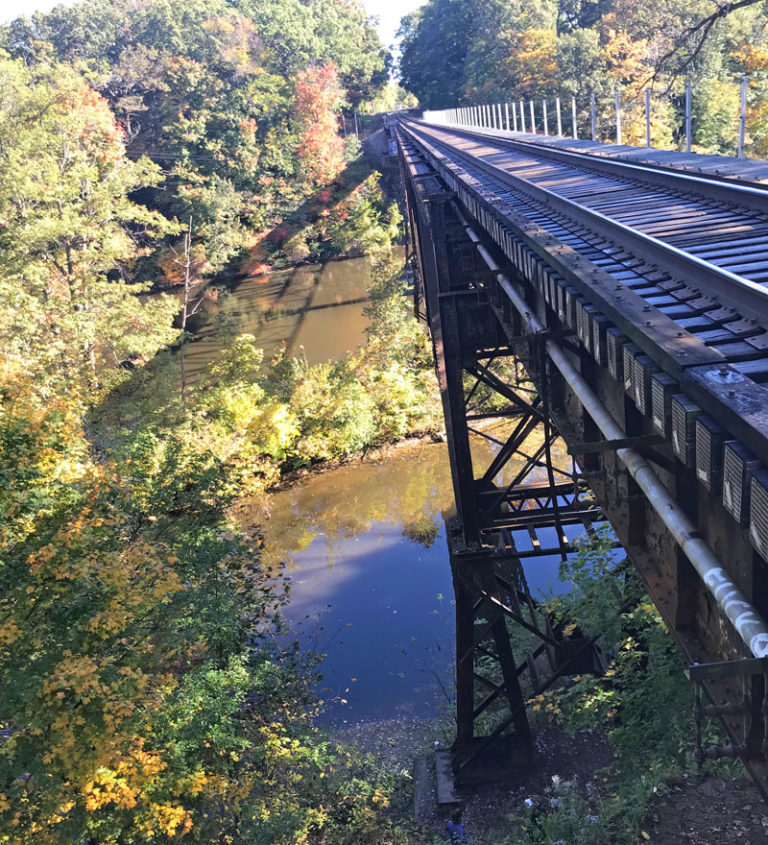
x=632 y=286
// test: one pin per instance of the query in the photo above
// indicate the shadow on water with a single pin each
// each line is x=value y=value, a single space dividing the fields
x=314 y=311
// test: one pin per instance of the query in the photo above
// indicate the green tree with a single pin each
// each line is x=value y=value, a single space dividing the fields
x=69 y=232
x=434 y=44
x=207 y=89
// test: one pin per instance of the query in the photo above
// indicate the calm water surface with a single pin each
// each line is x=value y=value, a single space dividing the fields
x=371 y=583
x=364 y=544
x=315 y=311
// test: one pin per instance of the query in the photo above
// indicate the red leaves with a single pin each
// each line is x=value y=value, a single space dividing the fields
x=100 y=133
x=320 y=150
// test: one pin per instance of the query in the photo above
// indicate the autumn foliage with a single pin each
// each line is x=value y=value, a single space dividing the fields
x=321 y=149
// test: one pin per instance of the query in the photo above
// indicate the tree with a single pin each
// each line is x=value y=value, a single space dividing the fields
x=434 y=41
x=69 y=232
x=207 y=89
x=321 y=150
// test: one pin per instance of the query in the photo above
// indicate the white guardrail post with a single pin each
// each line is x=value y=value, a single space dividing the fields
x=510 y=116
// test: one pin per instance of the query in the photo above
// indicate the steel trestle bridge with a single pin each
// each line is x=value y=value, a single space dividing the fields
x=635 y=296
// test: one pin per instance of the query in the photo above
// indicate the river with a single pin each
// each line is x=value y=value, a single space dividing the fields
x=364 y=544
x=371 y=582
x=315 y=311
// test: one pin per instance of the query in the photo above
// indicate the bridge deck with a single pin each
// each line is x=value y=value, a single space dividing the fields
x=647 y=285
x=716 y=166
x=680 y=268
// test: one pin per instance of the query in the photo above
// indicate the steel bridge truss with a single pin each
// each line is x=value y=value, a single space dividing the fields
x=520 y=504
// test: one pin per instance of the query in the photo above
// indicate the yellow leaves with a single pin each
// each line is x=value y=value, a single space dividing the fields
x=5 y=804
x=9 y=633
x=198 y=783
x=379 y=797
x=753 y=57
x=533 y=60
x=124 y=785
x=625 y=59
x=170 y=819
x=109 y=787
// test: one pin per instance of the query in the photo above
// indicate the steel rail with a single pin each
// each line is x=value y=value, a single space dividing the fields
x=751 y=627
x=750 y=298
x=713 y=187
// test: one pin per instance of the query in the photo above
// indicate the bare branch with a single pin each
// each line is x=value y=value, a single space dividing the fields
x=699 y=33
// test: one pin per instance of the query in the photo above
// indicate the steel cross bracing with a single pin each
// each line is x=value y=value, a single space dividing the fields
x=523 y=504
x=653 y=370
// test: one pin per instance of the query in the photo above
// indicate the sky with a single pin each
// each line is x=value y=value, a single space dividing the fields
x=388 y=12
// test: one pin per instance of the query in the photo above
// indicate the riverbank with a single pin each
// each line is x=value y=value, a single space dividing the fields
x=493 y=813
x=687 y=810
x=372 y=454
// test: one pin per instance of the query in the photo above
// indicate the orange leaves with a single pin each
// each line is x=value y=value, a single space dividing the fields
x=100 y=134
x=536 y=57
x=9 y=633
x=752 y=57
x=318 y=92
x=321 y=149
x=172 y=268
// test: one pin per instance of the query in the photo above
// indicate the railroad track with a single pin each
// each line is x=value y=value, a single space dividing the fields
x=649 y=291
x=640 y=263
x=704 y=226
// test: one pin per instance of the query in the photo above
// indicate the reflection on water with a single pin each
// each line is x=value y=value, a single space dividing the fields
x=374 y=601
x=365 y=592
x=316 y=311
x=364 y=544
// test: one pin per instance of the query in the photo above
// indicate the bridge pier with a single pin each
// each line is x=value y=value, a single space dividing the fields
x=485 y=665
x=519 y=491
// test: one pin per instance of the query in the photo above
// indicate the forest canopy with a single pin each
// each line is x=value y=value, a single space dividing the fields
x=214 y=95
x=459 y=52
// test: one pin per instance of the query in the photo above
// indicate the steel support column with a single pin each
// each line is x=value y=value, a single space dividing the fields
x=520 y=492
